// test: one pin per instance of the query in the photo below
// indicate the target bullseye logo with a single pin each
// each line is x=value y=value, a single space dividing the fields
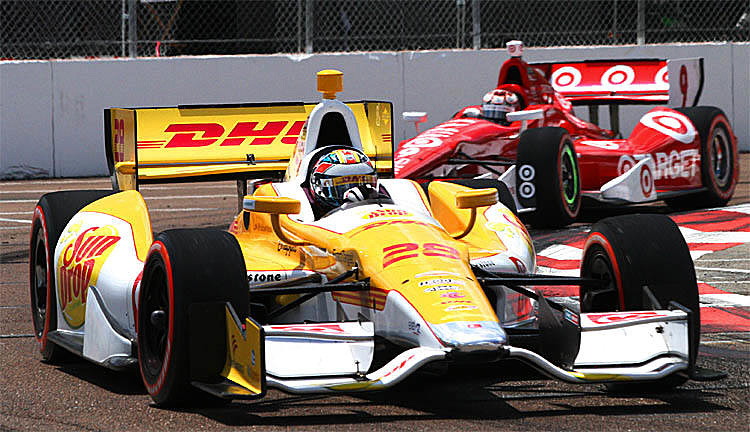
x=566 y=76
x=625 y=164
x=526 y=174
x=647 y=181
x=662 y=76
x=672 y=124
x=619 y=75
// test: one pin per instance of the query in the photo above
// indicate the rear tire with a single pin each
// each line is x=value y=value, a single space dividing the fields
x=719 y=159
x=184 y=266
x=633 y=251
x=548 y=177
x=51 y=215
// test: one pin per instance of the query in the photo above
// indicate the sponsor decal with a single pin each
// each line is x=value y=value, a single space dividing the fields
x=119 y=140
x=443 y=288
x=443 y=281
x=191 y=135
x=285 y=249
x=386 y=213
x=647 y=180
x=348 y=258
x=430 y=138
x=565 y=77
x=402 y=251
x=526 y=188
x=456 y=308
x=262 y=277
x=318 y=328
x=672 y=165
x=616 y=76
x=474 y=325
x=436 y=273
x=78 y=268
x=370 y=226
x=570 y=316
x=602 y=144
x=619 y=317
x=671 y=124
x=453 y=295
x=415 y=328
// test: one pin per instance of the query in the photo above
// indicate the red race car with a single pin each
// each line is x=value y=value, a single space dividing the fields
x=526 y=135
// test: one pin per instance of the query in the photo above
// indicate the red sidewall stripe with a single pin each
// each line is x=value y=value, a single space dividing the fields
x=598 y=238
x=156 y=387
x=39 y=214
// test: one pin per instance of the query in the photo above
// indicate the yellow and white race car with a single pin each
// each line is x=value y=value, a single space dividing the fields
x=334 y=277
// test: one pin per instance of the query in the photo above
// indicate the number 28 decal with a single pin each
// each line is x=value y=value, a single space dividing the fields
x=402 y=251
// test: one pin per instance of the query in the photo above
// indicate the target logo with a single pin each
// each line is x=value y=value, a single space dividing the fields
x=626 y=164
x=620 y=317
x=647 y=181
x=566 y=76
x=662 y=77
x=526 y=174
x=619 y=75
x=671 y=124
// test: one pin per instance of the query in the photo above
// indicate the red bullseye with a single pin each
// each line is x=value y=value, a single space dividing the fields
x=647 y=181
x=672 y=123
x=617 y=78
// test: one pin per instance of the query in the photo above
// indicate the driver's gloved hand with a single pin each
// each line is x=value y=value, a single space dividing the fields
x=359 y=193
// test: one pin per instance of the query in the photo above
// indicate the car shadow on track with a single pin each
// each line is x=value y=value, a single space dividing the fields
x=126 y=382
x=471 y=394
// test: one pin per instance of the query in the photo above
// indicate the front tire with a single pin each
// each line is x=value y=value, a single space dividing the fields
x=633 y=251
x=547 y=177
x=184 y=266
x=51 y=215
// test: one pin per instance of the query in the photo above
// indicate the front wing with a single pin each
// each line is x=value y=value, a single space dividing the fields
x=636 y=346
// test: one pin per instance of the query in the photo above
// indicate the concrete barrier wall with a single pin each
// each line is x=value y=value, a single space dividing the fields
x=51 y=121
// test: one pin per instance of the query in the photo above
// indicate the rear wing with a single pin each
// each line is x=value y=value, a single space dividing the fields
x=678 y=82
x=194 y=143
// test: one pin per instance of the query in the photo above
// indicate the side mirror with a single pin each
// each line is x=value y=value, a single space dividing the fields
x=275 y=206
x=472 y=199
x=524 y=116
x=415 y=117
x=476 y=198
x=271 y=204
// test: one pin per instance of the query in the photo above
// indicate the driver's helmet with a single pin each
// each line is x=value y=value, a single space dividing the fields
x=498 y=103
x=341 y=176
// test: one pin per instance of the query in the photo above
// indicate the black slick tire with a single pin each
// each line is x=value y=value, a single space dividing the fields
x=633 y=251
x=184 y=266
x=51 y=214
x=719 y=159
x=548 y=177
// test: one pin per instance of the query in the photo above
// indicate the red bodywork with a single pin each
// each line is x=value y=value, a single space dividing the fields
x=665 y=134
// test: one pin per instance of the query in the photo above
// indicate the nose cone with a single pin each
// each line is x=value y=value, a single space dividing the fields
x=467 y=336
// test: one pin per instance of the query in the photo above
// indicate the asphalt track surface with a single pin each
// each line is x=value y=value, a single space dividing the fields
x=79 y=395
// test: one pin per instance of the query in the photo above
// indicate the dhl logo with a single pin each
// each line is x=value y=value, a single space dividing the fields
x=78 y=268
x=386 y=213
x=191 y=135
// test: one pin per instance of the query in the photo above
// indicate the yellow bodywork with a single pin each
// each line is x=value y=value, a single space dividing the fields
x=175 y=142
x=397 y=251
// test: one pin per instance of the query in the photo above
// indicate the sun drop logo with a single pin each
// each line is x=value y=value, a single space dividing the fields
x=78 y=268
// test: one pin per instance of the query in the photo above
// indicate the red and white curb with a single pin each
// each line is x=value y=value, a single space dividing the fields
x=705 y=232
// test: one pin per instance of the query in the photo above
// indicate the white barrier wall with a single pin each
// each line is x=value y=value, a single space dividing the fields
x=51 y=112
